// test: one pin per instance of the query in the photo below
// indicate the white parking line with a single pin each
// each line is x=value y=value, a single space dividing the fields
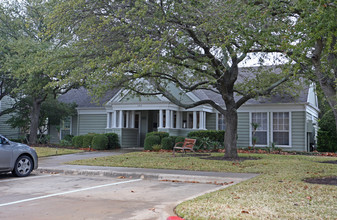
x=68 y=192
x=25 y=178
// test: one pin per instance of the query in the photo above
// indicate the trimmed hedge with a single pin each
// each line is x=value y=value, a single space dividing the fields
x=179 y=139
x=113 y=140
x=167 y=143
x=78 y=141
x=87 y=140
x=150 y=141
x=213 y=135
x=160 y=134
x=327 y=134
x=100 y=142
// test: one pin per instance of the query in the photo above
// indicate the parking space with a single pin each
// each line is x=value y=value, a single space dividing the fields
x=55 y=196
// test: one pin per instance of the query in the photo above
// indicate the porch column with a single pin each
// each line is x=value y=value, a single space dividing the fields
x=178 y=120
x=171 y=119
x=194 y=120
x=133 y=119
x=114 y=121
x=121 y=122
x=161 y=118
x=108 y=119
x=168 y=120
x=216 y=121
x=127 y=119
x=202 y=121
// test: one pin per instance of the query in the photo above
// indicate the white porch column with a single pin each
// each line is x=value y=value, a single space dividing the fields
x=178 y=120
x=121 y=122
x=108 y=119
x=171 y=119
x=194 y=120
x=168 y=119
x=201 y=121
x=205 y=120
x=114 y=120
x=127 y=119
x=216 y=121
x=161 y=118
x=133 y=114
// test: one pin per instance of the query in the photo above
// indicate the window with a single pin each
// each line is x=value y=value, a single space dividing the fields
x=260 y=135
x=281 y=128
x=221 y=122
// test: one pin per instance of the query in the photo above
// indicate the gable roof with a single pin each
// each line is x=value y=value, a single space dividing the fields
x=82 y=97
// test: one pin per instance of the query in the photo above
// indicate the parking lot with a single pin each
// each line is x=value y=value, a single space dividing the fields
x=58 y=196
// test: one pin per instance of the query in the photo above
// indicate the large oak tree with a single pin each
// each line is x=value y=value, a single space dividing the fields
x=144 y=46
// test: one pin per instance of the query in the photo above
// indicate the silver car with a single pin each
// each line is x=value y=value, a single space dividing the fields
x=20 y=159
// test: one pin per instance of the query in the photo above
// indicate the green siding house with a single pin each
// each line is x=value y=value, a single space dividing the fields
x=288 y=122
x=5 y=129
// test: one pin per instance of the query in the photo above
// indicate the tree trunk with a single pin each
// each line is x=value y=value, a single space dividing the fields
x=231 y=134
x=34 y=120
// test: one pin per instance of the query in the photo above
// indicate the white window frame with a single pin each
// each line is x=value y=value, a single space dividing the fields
x=222 y=117
x=272 y=128
x=251 y=130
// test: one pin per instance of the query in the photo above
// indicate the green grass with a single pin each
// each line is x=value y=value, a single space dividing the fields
x=50 y=151
x=278 y=193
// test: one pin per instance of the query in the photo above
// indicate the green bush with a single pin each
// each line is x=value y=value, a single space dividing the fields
x=113 y=140
x=100 y=142
x=157 y=147
x=65 y=143
x=179 y=139
x=87 y=140
x=77 y=141
x=213 y=135
x=327 y=135
x=68 y=137
x=167 y=143
x=150 y=141
x=160 y=134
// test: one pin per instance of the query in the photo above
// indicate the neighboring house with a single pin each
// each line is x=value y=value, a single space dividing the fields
x=5 y=129
x=289 y=122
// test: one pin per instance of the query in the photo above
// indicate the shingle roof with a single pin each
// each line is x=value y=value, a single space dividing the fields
x=83 y=99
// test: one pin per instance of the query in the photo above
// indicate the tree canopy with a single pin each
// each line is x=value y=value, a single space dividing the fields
x=144 y=46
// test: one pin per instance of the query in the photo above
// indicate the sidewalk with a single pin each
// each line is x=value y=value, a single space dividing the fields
x=55 y=164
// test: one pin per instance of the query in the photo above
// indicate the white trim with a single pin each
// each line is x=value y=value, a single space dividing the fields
x=192 y=96
x=251 y=131
x=290 y=129
x=118 y=96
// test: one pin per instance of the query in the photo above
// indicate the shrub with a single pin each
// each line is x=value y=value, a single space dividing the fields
x=100 y=142
x=150 y=141
x=179 y=139
x=78 y=141
x=64 y=142
x=87 y=139
x=160 y=134
x=167 y=143
x=68 y=137
x=113 y=140
x=327 y=135
x=157 y=147
x=213 y=135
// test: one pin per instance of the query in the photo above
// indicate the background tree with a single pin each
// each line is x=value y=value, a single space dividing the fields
x=31 y=60
x=147 y=46
x=310 y=41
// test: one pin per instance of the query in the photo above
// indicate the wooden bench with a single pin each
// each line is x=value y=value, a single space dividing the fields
x=188 y=144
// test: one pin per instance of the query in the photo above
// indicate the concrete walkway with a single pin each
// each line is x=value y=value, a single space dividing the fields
x=55 y=164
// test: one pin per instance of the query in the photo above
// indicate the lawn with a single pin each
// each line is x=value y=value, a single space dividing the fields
x=278 y=193
x=51 y=151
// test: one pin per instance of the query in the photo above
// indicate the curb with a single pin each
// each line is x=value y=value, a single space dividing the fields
x=144 y=175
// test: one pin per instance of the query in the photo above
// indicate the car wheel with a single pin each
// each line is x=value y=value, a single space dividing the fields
x=23 y=166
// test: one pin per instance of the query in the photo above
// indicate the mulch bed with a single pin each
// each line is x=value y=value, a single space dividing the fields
x=240 y=159
x=331 y=180
x=330 y=161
